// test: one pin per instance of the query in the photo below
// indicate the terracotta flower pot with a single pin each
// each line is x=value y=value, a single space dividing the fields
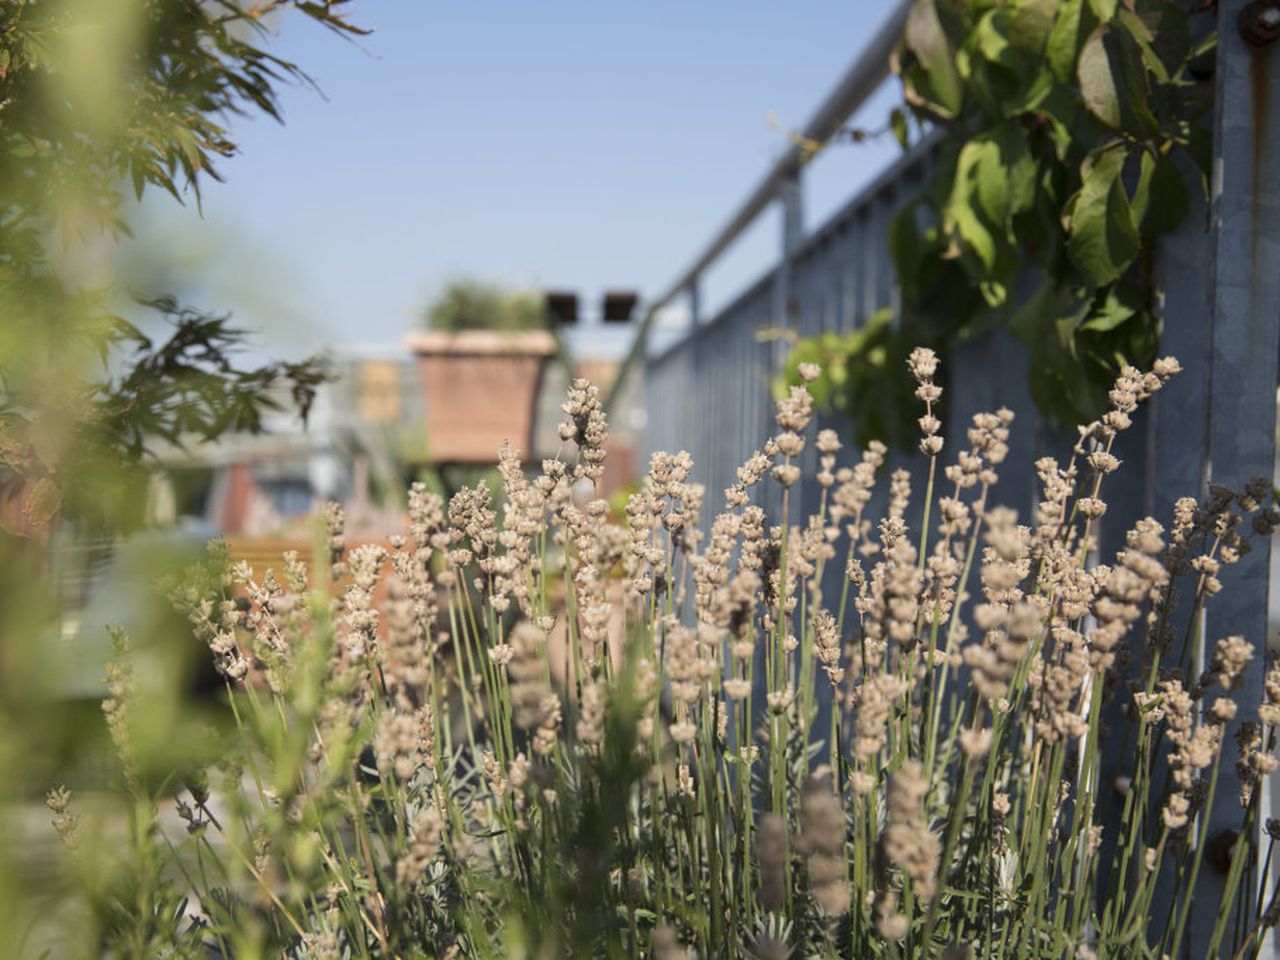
x=481 y=388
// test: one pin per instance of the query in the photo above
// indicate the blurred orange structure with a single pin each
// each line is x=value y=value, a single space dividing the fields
x=481 y=388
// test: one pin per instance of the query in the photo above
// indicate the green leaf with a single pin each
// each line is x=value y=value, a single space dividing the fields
x=1025 y=320
x=865 y=389
x=1200 y=150
x=1097 y=79
x=898 y=124
x=1064 y=41
x=1142 y=36
x=926 y=39
x=1032 y=24
x=993 y=292
x=975 y=234
x=1102 y=238
x=139 y=179
x=1167 y=29
x=1104 y=10
x=988 y=172
x=1018 y=166
x=1170 y=199
x=1142 y=190
x=1044 y=83
x=43 y=502
x=1049 y=316
x=994 y=180
x=1032 y=94
x=990 y=36
x=1113 y=83
x=904 y=241
x=1062 y=387
x=1160 y=200
x=1107 y=314
x=977 y=186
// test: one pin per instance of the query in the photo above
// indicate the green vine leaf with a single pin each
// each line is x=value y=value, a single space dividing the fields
x=1161 y=199
x=940 y=86
x=1018 y=171
x=1097 y=79
x=1109 y=314
x=992 y=41
x=1102 y=237
x=898 y=124
x=1104 y=10
x=1114 y=84
x=1032 y=24
x=1076 y=131
x=1162 y=34
x=1064 y=40
x=861 y=379
x=976 y=190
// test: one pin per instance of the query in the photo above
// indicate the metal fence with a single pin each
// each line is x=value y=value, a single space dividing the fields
x=1218 y=287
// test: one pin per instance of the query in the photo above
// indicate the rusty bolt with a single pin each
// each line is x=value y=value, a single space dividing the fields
x=1218 y=852
x=1259 y=22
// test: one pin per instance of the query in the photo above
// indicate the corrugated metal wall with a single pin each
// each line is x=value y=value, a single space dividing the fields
x=1218 y=289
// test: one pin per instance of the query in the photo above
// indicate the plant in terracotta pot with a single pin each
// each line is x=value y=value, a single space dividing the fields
x=481 y=358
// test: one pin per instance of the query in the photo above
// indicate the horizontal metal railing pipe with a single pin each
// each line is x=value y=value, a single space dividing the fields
x=859 y=82
x=893 y=174
x=864 y=75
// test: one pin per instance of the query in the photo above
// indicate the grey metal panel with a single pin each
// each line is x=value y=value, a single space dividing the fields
x=850 y=276
x=1219 y=287
x=834 y=279
x=1245 y=343
x=836 y=282
x=887 y=204
x=868 y=302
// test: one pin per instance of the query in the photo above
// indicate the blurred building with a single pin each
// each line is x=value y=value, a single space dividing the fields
x=351 y=450
x=438 y=406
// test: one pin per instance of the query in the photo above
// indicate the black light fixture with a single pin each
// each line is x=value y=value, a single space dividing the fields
x=562 y=308
x=619 y=305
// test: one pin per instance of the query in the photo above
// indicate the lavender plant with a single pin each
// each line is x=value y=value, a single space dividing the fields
x=525 y=730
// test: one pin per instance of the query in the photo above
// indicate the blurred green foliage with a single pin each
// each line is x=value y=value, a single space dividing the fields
x=861 y=379
x=471 y=304
x=101 y=101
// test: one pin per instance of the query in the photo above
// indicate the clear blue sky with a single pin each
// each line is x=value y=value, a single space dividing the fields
x=564 y=144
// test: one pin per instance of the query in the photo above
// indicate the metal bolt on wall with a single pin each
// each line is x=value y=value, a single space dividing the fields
x=1259 y=22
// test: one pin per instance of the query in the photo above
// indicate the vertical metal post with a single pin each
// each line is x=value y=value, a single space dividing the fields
x=1245 y=347
x=791 y=196
x=791 y=199
x=695 y=302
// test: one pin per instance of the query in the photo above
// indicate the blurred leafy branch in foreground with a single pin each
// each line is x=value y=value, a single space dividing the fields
x=99 y=101
x=1073 y=130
